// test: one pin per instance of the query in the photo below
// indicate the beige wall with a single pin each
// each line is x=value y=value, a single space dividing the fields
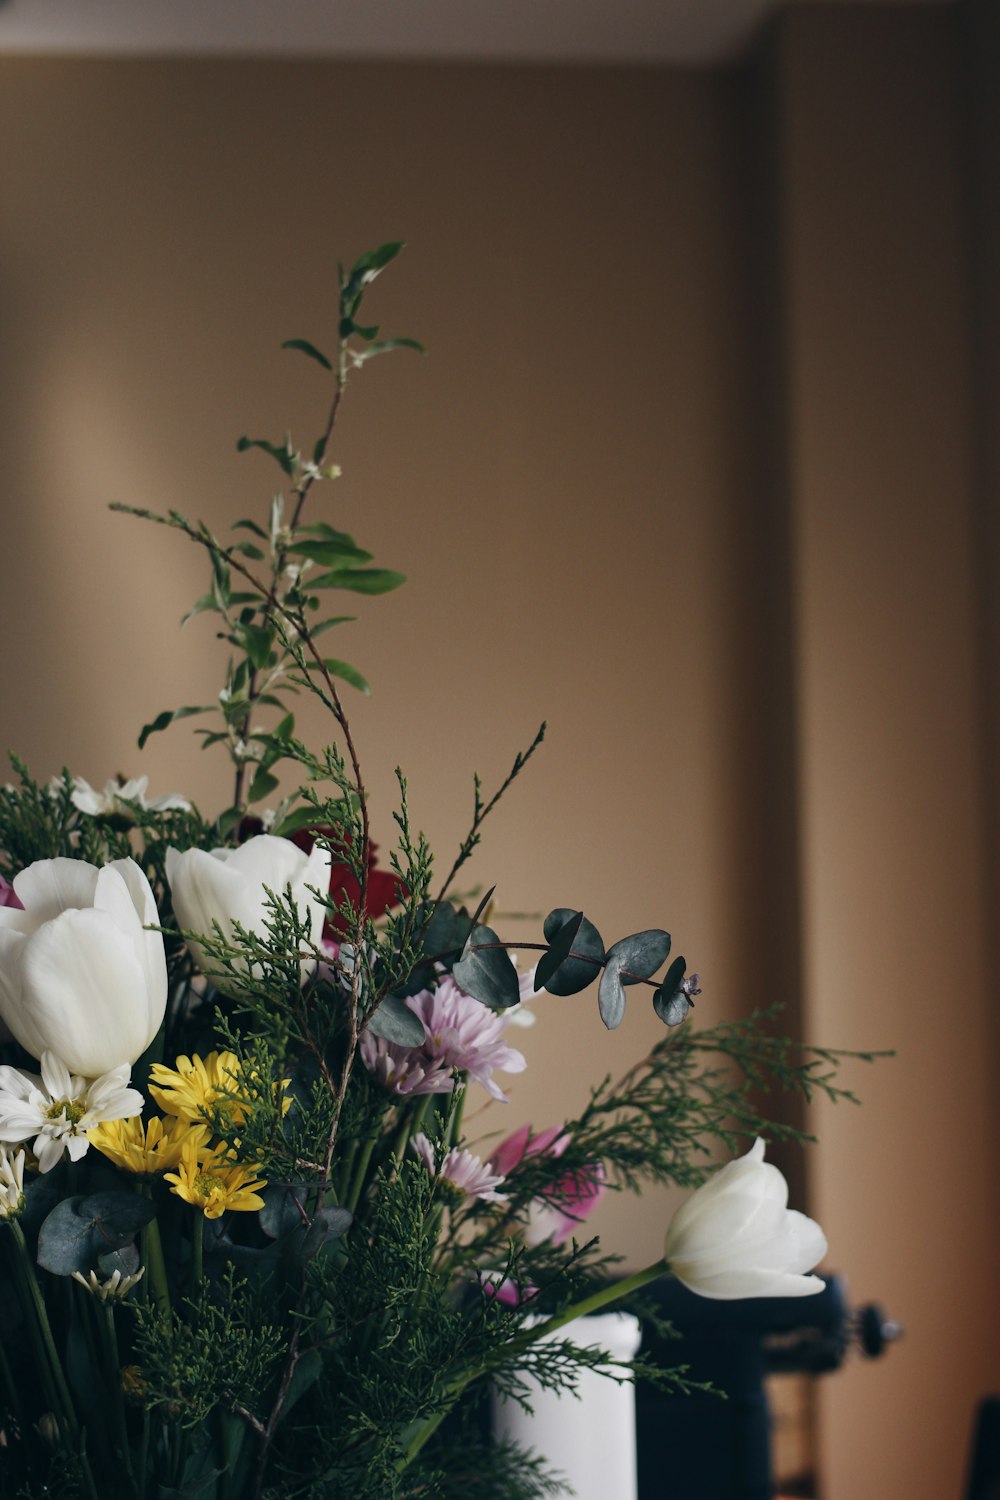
x=687 y=471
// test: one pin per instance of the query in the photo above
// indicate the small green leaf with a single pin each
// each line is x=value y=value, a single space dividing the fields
x=386 y=346
x=251 y=526
x=282 y=456
x=247 y=549
x=487 y=973
x=344 y=670
x=304 y=346
x=360 y=580
x=315 y=630
x=167 y=717
x=257 y=642
x=262 y=786
x=396 y=1022
x=331 y=554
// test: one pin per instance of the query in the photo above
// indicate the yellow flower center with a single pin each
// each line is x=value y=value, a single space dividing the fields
x=68 y=1108
x=205 y=1184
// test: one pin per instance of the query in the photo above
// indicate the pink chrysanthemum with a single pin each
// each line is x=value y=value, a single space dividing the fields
x=464 y=1173
x=404 y=1070
x=464 y=1034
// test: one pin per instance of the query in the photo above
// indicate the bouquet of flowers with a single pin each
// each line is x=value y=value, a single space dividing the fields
x=252 y=1250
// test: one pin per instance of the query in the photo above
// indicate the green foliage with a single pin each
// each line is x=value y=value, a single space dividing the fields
x=218 y=1349
x=336 y=1342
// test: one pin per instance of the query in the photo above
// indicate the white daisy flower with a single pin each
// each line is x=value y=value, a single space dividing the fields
x=11 y=1183
x=119 y=797
x=114 y=1289
x=59 y=1107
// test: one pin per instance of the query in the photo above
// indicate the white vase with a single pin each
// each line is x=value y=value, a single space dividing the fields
x=587 y=1436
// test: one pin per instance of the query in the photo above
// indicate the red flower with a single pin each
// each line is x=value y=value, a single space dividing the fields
x=385 y=889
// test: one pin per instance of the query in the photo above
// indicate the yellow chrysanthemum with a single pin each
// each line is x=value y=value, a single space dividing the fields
x=198 y=1087
x=150 y=1148
x=214 y=1181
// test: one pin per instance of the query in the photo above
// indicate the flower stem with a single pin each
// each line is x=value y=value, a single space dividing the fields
x=152 y=1256
x=41 y=1322
x=603 y=1298
x=197 y=1250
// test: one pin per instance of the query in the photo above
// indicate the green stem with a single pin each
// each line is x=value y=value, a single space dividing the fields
x=117 y=1398
x=357 y=1187
x=156 y=1266
x=197 y=1250
x=603 y=1298
x=51 y=1353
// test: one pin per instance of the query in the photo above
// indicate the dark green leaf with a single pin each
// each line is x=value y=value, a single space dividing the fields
x=396 y=1022
x=329 y=554
x=574 y=974
x=638 y=957
x=262 y=786
x=315 y=630
x=282 y=1211
x=281 y=455
x=247 y=549
x=669 y=1001
x=559 y=950
x=487 y=973
x=385 y=346
x=328 y=1224
x=301 y=817
x=257 y=641
x=304 y=346
x=348 y=673
x=79 y=1229
x=250 y=526
x=167 y=717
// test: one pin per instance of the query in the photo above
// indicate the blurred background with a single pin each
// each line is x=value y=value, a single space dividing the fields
x=701 y=466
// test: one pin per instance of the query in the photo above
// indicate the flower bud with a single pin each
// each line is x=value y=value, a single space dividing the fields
x=79 y=974
x=735 y=1237
x=230 y=885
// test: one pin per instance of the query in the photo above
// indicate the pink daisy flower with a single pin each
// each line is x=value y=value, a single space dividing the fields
x=463 y=1033
x=462 y=1172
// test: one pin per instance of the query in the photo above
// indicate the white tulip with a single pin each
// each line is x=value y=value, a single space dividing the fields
x=79 y=974
x=230 y=885
x=735 y=1237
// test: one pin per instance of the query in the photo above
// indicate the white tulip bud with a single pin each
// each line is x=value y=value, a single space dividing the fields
x=79 y=974
x=735 y=1237
x=230 y=885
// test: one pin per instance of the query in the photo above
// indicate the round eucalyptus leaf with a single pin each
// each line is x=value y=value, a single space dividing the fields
x=671 y=1009
x=126 y=1260
x=79 y=1230
x=576 y=972
x=281 y=1212
x=611 y=997
x=396 y=1022
x=485 y=971
x=639 y=956
x=559 y=950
